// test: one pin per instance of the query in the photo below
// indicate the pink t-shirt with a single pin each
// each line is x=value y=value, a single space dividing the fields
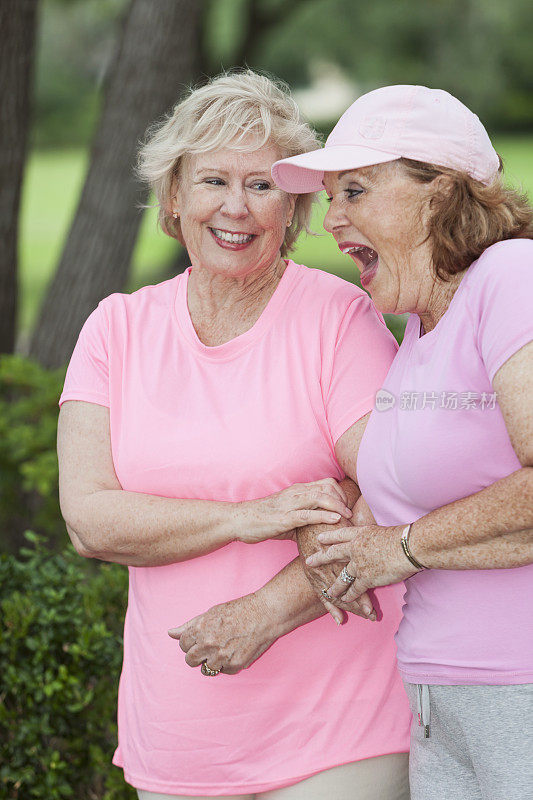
x=236 y=422
x=442 y=439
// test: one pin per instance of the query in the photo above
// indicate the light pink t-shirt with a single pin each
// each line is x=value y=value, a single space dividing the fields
x=443 y=439
x=236 y=422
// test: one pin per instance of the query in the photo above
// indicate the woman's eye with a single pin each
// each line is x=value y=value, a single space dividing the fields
x=215 y=181
x=261 y=185
x=353 y=193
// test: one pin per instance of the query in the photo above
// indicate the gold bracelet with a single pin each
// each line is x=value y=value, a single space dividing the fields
x=405 y=547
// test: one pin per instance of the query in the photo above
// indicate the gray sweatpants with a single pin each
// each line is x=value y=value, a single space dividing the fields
x=471 y=742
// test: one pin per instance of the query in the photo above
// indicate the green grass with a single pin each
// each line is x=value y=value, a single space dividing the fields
x=51 y=187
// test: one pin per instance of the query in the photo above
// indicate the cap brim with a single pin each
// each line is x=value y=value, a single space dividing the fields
x=305 y=173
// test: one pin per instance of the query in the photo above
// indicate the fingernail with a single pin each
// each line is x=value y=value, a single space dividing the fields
x=334 y=517
x=173 y=630
x=367 y=609
x=349 y=512
x=309 y=560
x=320 y=537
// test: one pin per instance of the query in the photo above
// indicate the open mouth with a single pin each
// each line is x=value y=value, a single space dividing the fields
x=365 y=257
x=234 y=240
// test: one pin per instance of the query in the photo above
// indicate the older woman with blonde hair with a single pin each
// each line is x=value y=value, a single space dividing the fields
x=205 y=419
x=446 y=463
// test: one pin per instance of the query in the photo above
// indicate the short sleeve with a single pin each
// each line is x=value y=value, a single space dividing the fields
x=87 y=375
x=501 y=300
x=363 y=353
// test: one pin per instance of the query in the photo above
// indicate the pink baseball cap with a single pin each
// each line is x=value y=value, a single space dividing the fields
x=393 y=122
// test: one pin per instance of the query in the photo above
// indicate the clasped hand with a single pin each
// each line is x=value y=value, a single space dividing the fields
x=279 y=514
x=370 y=553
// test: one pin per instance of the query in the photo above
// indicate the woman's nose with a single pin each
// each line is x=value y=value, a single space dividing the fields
x=235 y=203
x=331 y=220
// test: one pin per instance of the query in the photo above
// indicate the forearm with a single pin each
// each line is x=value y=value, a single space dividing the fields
x=289 y=596
x=145 y=530
x=492 y=529
x=148 y=530
x=289 y=599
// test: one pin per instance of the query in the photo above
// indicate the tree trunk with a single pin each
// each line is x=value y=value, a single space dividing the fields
x=17 y=45
x=156 y=56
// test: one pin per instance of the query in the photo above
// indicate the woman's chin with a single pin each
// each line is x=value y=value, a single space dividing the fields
x=384 y=300
x=383 y=303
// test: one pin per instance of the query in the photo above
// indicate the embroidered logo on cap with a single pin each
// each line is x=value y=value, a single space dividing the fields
x=373 y=127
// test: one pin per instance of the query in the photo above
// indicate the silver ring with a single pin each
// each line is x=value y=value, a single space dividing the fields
x=327 y=596
x=346 y=577
x=205 y=670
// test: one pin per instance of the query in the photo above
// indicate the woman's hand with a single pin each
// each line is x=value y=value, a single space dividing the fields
x=324 y=576
x=299 y=505
x=229 y=636
x=371 y=553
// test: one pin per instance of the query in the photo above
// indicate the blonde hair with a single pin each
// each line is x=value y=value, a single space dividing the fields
x=470 y=216
x=225 y=113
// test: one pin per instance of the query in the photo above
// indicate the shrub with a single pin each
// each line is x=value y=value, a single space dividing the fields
x=60 y=659
x=28 y=458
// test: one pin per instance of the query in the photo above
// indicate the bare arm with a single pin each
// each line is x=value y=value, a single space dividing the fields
x=107 y=522
x=491 y=529
x=294 y=593
x=232 y=635
x=346 y=450
x=292 y=596
x=236 y=633
x=126 y=527
x=483 y=531
x=494 y=527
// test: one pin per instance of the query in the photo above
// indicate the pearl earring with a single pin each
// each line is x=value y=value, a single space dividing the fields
x=289 y=223
x=175 y=214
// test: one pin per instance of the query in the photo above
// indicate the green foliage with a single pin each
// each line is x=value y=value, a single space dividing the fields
x=62 y=616
x=479 y=50
x=28 y=460
x=60 y=658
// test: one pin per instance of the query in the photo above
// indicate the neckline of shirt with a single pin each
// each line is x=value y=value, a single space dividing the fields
x=238 y=344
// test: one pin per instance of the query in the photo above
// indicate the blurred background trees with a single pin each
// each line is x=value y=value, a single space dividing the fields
x=479 y=50
x=140 y=84
x=105 y=68
x=17 y=40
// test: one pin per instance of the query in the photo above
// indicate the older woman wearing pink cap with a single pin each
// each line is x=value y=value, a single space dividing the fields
x=446 y=462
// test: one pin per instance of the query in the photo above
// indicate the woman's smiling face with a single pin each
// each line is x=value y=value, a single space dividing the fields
x=379 y=217
x=233 y=217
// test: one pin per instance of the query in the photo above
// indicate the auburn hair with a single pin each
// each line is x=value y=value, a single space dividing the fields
x=470 y=216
